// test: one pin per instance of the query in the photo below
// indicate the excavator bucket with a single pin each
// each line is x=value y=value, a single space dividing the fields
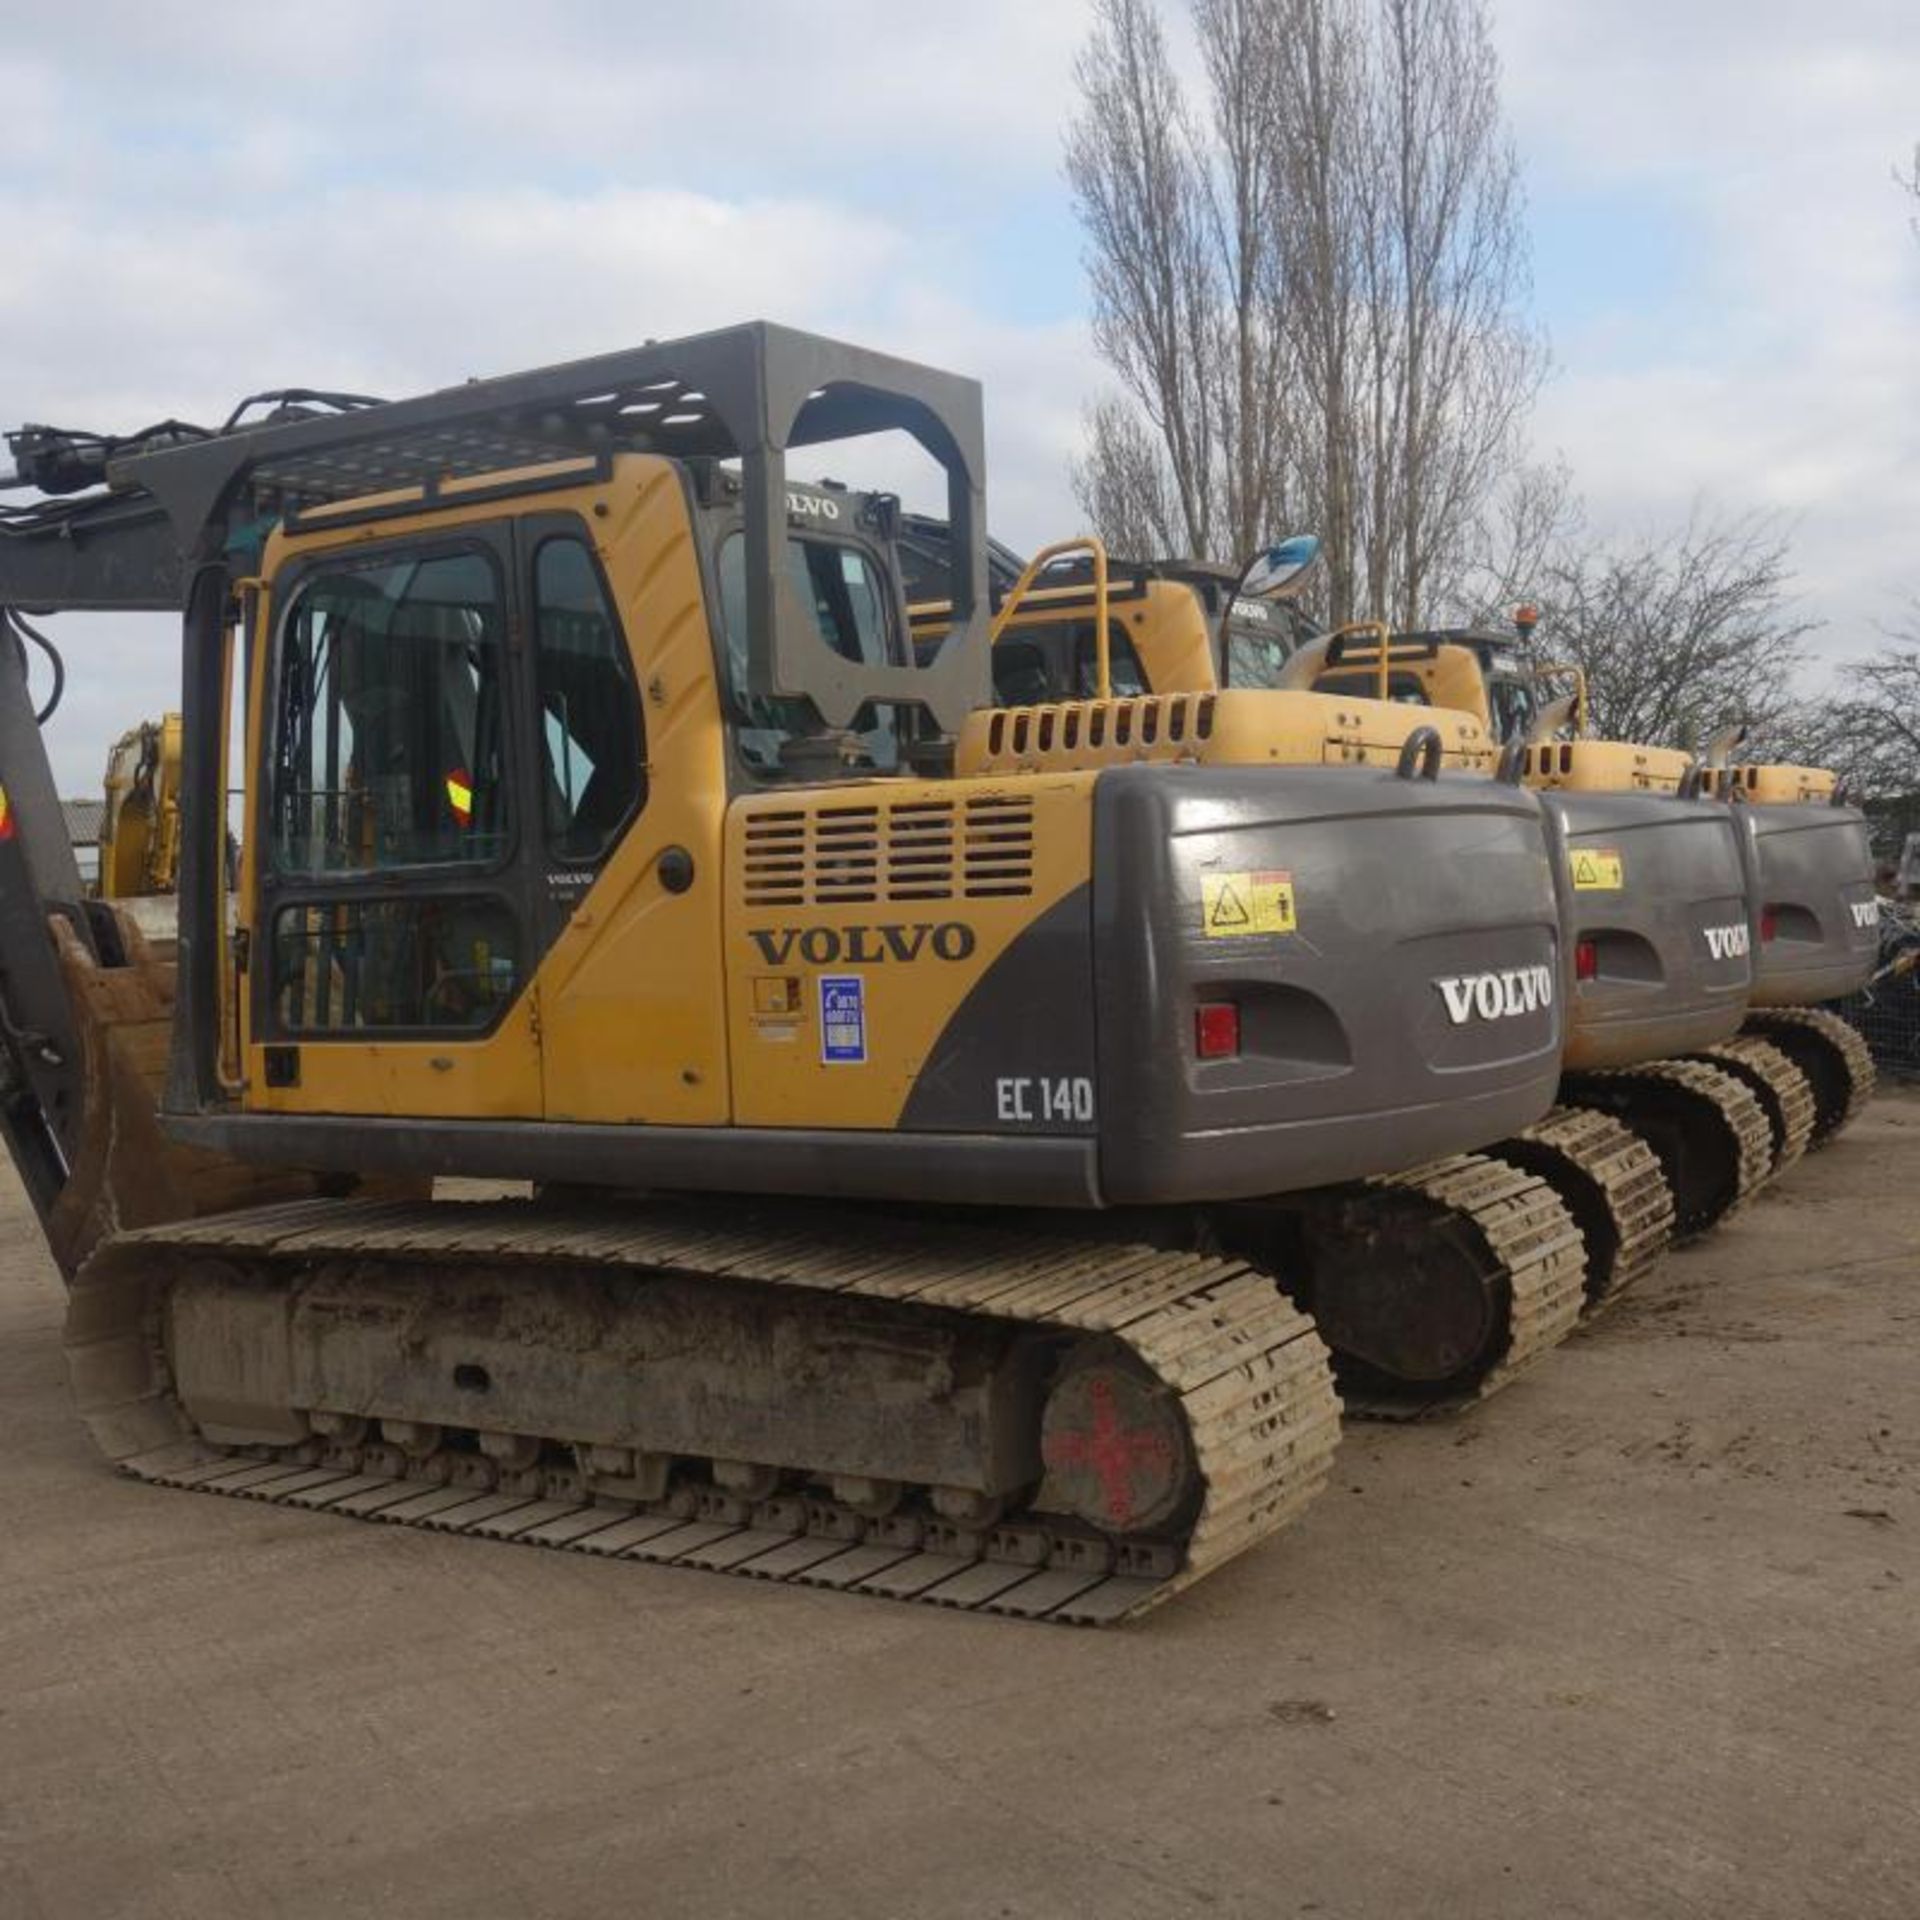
x=124 y=1172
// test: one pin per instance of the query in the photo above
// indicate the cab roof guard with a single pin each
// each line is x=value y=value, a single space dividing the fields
x=750 y=392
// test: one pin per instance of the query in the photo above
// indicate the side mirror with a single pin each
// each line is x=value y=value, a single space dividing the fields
x=1279 y=572
x=1274 y=574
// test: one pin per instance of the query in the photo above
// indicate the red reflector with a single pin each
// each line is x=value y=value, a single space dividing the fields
x=1769 y=922
x=1586 y=960
x=1216 y=1031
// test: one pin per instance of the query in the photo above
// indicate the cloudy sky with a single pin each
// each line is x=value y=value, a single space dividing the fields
x=199 y=204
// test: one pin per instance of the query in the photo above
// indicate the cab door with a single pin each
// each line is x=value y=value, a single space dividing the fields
x=394 y=931
x=628 y=812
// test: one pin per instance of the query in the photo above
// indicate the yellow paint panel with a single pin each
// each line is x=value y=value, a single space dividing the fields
x=1236 y=904
x=1597 y=870
x=832 y=884
x=633 y=1022
x=434 y=1079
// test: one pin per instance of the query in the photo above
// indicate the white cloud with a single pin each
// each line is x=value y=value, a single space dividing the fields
x=1775 y=362
x=200 y=207
x=120 y=308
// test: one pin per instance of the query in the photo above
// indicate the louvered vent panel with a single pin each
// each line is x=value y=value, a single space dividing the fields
x=920 y=851
x=776 y=859
x=915 y=850
x=999 y=847
x=845 y=868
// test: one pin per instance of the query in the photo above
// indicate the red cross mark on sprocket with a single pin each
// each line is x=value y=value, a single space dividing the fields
x=1115 y=1448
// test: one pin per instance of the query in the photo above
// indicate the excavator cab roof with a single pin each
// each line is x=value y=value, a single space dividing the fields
x=178 y=497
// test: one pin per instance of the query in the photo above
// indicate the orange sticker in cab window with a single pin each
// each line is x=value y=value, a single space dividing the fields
x=460 y=797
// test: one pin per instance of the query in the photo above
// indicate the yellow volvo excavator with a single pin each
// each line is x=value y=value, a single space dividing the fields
x=926 y=1104
x=1805 y=862
x=1693 y=1068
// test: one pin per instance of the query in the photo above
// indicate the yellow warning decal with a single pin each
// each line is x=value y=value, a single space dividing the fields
x=1597 y=871
x=1233 y=903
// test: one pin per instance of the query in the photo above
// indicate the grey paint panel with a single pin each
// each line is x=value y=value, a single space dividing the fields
x=1415 y=1009
x=1673 y=942
x=1019 y=1051
x=1814 y=868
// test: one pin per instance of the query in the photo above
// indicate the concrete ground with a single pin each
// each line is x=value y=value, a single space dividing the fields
x=1640 y=1637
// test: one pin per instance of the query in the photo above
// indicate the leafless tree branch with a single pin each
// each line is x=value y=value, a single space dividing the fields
x=1311 y=291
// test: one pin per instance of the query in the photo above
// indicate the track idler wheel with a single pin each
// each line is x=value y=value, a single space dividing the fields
x=1611 y=1181
x=1409 y=1300
x=1115 y=1444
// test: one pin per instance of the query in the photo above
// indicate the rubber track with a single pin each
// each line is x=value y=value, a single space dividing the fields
x=1251 y=1373
x=1862 y=1075
x=1792 y=1093
x=1632 y=1185
x=1745 y=1118
x=1531 y=1235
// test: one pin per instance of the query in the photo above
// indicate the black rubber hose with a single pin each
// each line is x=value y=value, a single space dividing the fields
x=25 y=630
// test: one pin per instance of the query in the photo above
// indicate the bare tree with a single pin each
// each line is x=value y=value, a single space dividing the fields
x=1868 y=728
x=1155 y=278
x=1679 y=632
x=1532 y=523
x=1310 y=293
x=1125 y=483
x=1452 y=371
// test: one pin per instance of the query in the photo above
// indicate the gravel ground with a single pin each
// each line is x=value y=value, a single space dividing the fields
x=1639 y=1637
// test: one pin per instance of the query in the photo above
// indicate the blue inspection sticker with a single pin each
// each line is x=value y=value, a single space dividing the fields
x=843 y=1019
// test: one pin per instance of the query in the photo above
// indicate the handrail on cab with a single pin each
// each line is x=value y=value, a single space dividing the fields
x=1566 y=670
x=1090 y=543
x=1383 y=665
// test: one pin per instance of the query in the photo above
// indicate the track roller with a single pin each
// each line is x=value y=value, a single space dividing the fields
x=1830 y=1053
x=1710 y=1133
x=1611 y=1181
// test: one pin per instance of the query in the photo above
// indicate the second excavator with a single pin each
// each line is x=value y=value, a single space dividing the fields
x=1679 y=1095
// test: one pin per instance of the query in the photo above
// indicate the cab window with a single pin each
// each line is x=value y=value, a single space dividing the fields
x=434 y=960
x=1124 y=673
x=1363 y=683
x=1057 y=660
x=1255 y=660
x=390 y=737
x=851 y=606
x=1512 y=702
x=593 y=751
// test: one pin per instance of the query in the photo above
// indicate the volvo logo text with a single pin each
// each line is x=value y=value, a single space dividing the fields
x=1866 y=913
x=1495 y=996
x=1727 y=943
x=863 y=945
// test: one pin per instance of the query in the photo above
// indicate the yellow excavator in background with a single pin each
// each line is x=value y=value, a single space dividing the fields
x=140 y=828
x=1700 y=913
